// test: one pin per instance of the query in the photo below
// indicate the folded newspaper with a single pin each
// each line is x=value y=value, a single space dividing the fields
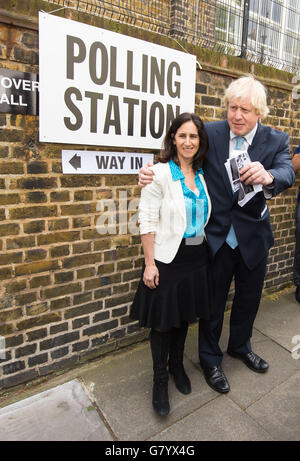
x=239 y=159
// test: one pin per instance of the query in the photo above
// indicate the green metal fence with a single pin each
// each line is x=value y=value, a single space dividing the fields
x=262 y=31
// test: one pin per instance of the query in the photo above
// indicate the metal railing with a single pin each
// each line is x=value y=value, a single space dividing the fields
x=262 y=31
x=150 y=15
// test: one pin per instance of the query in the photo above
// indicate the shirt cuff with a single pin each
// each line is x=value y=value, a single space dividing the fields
x=267 y=190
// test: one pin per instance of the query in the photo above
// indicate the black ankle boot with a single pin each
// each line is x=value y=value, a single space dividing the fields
x=176 y=368
x=159 y=342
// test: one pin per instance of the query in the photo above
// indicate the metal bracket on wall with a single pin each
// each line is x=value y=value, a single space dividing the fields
x=178 y=43
x=54 y=11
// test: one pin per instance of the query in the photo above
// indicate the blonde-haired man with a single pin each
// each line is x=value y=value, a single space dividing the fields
x=248 y=88
x=239 y=237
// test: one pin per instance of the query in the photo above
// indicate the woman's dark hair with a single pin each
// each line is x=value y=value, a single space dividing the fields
x=169 y=151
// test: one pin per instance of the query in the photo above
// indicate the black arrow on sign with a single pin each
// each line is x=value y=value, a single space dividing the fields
x=75 y=161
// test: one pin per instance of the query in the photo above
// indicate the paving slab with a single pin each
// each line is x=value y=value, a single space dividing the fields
x=246 y=386
x=122 y=388
x=191 y=345
x=280 y=319
x=279 y=411
x=63 y=413
x=218 y=420
x=110 y=398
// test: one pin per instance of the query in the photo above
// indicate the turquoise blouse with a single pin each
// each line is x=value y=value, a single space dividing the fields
x=196 y=206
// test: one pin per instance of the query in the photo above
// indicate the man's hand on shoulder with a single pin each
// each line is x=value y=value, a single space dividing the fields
x=146 y=175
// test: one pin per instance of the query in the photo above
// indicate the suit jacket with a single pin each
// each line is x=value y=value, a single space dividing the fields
x=162 y=211
x=252 y=222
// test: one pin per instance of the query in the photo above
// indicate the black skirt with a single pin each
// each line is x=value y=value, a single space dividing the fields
x=183 y=294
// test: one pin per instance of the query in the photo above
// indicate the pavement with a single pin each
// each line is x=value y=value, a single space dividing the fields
x=109 y=399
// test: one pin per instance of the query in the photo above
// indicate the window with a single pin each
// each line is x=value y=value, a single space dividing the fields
x=276 y=13
x=252 y=31
x=273 y=30
x=254 y=6
x=229 y=20
x=265 y=10
x=293 y=14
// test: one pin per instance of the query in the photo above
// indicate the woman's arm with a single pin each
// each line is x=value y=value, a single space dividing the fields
x=151 y=274
x=150 y=202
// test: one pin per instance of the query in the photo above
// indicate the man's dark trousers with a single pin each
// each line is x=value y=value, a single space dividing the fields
x=248 y=289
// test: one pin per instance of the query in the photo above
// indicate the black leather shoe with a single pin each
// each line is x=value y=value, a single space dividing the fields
x=253 y=361
x=216 y=378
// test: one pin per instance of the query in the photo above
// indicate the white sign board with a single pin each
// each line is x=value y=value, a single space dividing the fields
x=101 y=88
x=92 y=162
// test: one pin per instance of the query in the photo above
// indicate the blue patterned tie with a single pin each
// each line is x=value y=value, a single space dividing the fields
x=231 y=237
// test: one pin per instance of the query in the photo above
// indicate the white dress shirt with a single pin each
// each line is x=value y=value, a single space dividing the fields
x=248 y=138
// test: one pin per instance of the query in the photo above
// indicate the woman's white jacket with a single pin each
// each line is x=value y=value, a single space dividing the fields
x=162 y=212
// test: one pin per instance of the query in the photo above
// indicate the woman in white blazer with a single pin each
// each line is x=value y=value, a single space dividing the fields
x=174 y=289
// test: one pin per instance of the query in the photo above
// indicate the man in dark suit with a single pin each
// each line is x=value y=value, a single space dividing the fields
x=239 y=237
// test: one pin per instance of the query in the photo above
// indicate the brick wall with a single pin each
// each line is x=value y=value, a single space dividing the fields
x=189 y=19
x=65 y=290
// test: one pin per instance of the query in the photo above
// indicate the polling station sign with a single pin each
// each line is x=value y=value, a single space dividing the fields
x=94 y=162
x=99 y=87
x=19 y=92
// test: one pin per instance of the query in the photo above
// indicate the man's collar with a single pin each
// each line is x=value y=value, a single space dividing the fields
x=249 y=137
